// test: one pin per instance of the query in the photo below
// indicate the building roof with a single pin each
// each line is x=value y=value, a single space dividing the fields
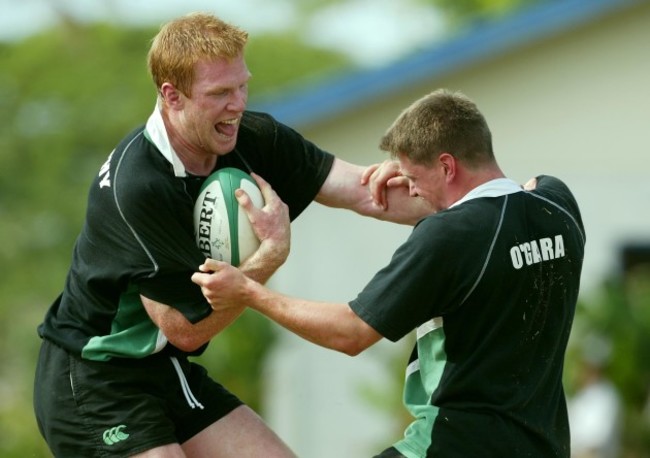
x=307 y=104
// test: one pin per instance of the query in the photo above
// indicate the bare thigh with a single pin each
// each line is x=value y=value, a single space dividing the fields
x=240 y=434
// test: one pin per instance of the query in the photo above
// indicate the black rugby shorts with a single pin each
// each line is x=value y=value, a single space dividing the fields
x=122 y=407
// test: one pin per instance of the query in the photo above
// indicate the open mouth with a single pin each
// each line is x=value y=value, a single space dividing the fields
x=227 y=128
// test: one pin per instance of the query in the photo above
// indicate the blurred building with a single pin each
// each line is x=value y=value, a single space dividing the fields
x=565 y=88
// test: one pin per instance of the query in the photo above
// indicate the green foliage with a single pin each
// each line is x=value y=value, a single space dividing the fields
x=621 y=313
x=234 y=356
x=461 y=12
x=67 y=96
x=70 y=100
x=276 y=63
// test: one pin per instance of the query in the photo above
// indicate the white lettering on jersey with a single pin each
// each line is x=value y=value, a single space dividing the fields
x=105 y=171
x=536 y=251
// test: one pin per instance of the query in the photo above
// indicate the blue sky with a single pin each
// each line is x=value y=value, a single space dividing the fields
x=371 y=31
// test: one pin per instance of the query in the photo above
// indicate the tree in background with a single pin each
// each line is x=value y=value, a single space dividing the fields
x=620 y=312
x=464 y=11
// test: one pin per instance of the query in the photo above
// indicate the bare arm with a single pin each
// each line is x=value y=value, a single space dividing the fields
x=183 y=334
x=271 y=224
x=369 y=194
x=330 y=325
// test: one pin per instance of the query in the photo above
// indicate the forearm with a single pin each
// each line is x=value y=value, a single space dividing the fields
x=183 y=334
x=401 y=207
x=344 y=189
x=265 y=261
x=330 y=325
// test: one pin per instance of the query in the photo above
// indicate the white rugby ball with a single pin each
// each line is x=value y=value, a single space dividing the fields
x=223 y=231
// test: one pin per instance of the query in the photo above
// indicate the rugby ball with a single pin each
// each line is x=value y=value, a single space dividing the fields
x=222 y=229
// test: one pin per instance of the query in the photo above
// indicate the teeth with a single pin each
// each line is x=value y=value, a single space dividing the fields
x=230 y=121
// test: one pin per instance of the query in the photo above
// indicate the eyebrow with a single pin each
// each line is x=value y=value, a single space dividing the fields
x=406 y=175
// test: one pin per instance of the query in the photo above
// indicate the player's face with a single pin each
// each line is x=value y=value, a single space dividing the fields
x=211 y=117
x=427 y=182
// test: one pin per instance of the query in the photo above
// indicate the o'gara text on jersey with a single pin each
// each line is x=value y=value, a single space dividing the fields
x=535 y=251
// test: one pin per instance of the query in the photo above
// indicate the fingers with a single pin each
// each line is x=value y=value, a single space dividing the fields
x=209 y=278
x=271 y=223
x=398 y=181
x=272 y=201
x=219 y=282
x=244 y=200
x=211 y=265
x=212 y=270
x=202 y=277
x=365 y=176
x=381 y=177
x=530 y=184
x=267 y=191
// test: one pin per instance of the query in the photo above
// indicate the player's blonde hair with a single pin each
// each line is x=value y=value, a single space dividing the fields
x=182 y=42
x=440 y=122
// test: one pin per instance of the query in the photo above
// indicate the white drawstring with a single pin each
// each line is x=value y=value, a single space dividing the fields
x=189 y=396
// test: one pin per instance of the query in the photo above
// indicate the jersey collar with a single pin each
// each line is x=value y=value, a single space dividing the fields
x=493 y=188
x=156 y=133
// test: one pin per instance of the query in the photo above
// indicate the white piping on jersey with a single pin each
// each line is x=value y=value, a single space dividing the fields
x=493 y=188
x=161 y=341
x=119 y=208
x=413 y=367
x=431 y=325
x=489 y=254
x=563 y=210
x=421 y=331
x=158 y=135
x=189 y=396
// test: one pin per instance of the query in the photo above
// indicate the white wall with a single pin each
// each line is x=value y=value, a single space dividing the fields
x=579 y=109
x=576 y=106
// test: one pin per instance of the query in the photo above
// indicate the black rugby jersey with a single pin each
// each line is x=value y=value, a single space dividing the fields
x=138 y=236
x=490 y=285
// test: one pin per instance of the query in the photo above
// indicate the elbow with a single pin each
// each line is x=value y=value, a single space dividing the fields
x=355 y=338
x=351 y=346
x=338 y=342
x=352 y=351
x=187 y=343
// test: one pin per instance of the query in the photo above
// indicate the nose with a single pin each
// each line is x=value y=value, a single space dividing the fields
x=412 y=190
x=238 y=100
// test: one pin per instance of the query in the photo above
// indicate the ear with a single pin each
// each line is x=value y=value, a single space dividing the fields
x=449 y=164
x=172 y=96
